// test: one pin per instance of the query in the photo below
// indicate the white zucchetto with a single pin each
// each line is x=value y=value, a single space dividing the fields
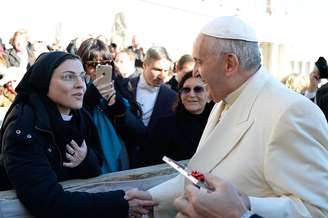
x=229 y=27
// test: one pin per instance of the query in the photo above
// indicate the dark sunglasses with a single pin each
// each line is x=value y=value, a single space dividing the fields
x=95 y=63
x=197 y=90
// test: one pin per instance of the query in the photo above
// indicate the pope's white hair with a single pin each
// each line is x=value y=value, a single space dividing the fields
x=248 y=53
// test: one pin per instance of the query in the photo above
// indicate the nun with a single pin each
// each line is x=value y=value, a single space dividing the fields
x=47 y=137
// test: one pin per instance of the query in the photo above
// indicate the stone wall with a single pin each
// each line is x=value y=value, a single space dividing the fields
x=142 y=178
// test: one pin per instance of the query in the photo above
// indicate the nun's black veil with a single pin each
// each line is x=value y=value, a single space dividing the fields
x=34 y=88
x=37 y=78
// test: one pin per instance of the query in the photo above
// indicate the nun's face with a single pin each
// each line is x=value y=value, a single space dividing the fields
x=67 y=86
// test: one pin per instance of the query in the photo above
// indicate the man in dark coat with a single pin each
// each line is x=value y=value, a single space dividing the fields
x=153 y=96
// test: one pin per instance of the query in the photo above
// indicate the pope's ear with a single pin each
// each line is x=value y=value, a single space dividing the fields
x=231 y=64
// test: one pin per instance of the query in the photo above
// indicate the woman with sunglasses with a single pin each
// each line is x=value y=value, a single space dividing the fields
x=177 y=135
x=45 y=139
x=113 y=108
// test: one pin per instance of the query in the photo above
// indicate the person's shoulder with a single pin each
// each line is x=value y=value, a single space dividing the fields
x=18 y=127
x=165 y=121
x=172 y=81
x=275 y=92
x=286 y=102
x=87 y=116
x=167 y=90
x=168 y=118
x=85 y=113
x=20 y=117
x=134 y=80
x=289 y=98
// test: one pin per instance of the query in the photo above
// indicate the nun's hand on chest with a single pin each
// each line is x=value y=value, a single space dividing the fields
x=75 y=154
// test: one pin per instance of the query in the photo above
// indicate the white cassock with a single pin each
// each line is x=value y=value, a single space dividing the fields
x=271 y=144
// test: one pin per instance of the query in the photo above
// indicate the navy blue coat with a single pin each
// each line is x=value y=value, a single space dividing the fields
x=164 y=102
x=163 y=107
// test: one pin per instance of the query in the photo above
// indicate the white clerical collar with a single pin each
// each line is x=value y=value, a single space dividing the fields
x=66 y=117
x=231 y=98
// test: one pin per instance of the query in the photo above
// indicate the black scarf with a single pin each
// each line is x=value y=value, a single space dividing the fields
x=65 y=131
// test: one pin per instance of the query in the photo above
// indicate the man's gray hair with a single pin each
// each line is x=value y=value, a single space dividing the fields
x=156 y=53
x=248 y=53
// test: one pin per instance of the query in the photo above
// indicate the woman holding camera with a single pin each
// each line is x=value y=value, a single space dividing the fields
x=113 y=109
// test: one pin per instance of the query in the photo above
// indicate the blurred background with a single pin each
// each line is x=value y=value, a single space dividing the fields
x=292 y=33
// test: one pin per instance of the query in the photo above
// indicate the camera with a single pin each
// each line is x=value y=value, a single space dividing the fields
x=321 y=64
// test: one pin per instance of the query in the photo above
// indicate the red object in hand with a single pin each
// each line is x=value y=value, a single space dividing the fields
x=198 y=175
x=9 y=87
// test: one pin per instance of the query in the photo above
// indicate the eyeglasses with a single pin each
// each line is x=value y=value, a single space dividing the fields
x=101 y=62
x=197 y=90
x=69 y=76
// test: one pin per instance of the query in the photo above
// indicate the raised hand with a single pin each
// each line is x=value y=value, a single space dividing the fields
x=75 y=154
x=140 y=202
x=106 y=89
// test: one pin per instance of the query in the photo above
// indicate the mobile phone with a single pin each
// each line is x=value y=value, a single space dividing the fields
x=195 y=177
x=104 y=71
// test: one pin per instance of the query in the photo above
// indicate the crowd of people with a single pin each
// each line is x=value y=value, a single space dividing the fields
x=126 y=108
x=67 y=121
